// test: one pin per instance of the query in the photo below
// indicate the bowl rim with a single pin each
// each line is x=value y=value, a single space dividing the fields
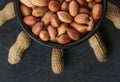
x=56 y=45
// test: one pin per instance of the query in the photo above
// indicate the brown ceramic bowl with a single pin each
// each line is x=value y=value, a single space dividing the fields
x=56 y=45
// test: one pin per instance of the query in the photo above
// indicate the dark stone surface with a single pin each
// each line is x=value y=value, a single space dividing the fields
x=80 y=62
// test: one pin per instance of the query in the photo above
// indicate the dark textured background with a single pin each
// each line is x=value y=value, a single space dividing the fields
x=80 y=62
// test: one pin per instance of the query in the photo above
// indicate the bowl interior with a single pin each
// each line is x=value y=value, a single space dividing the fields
x=51 y=44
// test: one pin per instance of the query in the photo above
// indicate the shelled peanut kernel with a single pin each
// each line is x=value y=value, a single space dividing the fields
x=61 y=21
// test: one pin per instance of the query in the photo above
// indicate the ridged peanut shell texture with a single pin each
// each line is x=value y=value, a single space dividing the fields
x=16 y=51
x=57 y=60
x=98 y=47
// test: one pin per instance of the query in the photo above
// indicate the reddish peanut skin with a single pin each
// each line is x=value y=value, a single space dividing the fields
x=46 y=18
x=62 y=29
x=80 y=28
x=98 y=1
x=60 y=1
x=39 y=11
x=82 y=19
x=26 y=11
x=73 y=8
x=36 y=29
x=68 y=0
x=30 y=20
x=64 y=17
x=97 y=12
x=55 y=22
x=91 y=24
x=91 y=4
x=65 y=6
x=84 y=10
x=44 y=36
x=81 y=2
x=89 y=1
x=74 y=14
x=73 y=34
x=54 y=6
x=52 y=32
x=63 y=39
